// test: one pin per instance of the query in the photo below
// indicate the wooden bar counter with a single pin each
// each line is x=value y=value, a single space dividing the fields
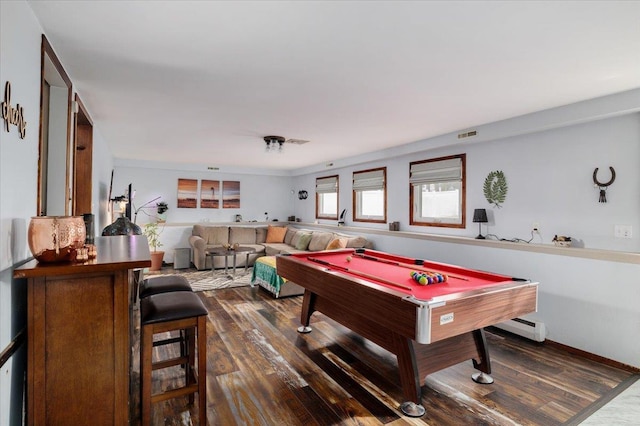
x=79 y=335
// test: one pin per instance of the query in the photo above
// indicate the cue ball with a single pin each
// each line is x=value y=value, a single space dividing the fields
x=349 y=258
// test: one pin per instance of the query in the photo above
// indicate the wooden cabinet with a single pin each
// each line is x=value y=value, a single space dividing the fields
x=79 y=335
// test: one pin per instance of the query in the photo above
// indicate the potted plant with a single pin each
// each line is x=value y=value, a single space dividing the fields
x=162 y=208
x=152 y=231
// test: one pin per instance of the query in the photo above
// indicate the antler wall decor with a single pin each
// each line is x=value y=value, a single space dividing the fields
x=603 y=186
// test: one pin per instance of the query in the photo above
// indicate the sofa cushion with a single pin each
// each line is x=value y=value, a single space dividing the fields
x=272 y=249
x=303 y=241
x=356 y=242
x=289 y=235
x=242 y=235
x=296 y=237
x=212 y=234
x=275 y=234
x=337 y=243
x=319 y=240
x=261 y=234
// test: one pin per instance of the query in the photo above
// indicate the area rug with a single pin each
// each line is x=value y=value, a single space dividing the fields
x=207 y=280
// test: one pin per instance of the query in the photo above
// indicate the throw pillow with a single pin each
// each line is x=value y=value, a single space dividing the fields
x=319 y=240
x=303 y=242
x=289 y=235
x=275 y=234
x=296 y=237
x=337 y=243
x=356 y=242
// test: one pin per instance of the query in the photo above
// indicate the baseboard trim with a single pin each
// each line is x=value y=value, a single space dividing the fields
x=593 y=357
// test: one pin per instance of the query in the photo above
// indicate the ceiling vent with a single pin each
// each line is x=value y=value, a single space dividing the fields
x=296 y=141
x=467 y=134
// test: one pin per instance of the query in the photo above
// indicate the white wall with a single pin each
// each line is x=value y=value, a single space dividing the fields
x=258 y=194
x=20 y=35
x=549 y=174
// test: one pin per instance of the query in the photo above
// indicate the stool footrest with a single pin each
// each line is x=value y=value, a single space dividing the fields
x=174 y=393
x=167 y=341
x=170 y=362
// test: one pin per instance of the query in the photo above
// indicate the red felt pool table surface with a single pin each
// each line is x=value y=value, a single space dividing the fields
x=459 y=280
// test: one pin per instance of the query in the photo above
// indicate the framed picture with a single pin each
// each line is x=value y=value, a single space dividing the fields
x=187 y=193
x=209 y=194
x=231 y=194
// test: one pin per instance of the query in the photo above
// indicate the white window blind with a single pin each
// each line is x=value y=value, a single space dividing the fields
x=436 y=171
x=368 y=181
x=328 y=184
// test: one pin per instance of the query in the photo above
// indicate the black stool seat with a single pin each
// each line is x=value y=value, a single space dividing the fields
x=170 y=307
x=163 y=284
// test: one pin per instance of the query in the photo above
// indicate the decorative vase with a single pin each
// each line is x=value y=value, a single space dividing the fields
x=156 y=260
x=122 y=226
x=56 y=238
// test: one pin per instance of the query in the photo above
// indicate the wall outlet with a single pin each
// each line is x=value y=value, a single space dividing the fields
x=535 y=227
x=623 y=231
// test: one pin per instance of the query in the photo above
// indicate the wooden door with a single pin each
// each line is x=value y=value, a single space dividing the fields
x=83 y=158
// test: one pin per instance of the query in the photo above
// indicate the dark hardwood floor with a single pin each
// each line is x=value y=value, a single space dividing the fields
x=262 y=372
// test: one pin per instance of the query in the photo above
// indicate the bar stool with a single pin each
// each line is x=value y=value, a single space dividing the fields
x=166 y=284
x=163 y=284
x=165 y=312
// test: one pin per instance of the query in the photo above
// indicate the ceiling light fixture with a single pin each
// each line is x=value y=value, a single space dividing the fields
x=274 y=143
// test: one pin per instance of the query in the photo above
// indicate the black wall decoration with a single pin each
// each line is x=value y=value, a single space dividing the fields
x=603 y=186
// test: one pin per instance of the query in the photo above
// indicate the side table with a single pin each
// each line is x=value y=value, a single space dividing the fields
x=221 y=251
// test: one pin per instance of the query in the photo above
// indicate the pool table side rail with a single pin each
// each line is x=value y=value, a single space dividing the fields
x=478 y=310
x=422 y=321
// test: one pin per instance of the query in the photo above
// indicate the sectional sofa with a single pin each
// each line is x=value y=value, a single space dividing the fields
x=266 y=240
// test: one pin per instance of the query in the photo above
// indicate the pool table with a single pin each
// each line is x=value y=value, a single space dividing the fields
x=428 y=327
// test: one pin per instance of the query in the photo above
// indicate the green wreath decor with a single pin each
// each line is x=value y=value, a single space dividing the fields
x=495 y=188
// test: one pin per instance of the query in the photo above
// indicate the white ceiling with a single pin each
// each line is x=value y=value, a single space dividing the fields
x=202 y=81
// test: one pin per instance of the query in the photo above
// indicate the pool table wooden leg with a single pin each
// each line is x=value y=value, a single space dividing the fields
x=484 y=363
x=412 y=406
x=308 y=308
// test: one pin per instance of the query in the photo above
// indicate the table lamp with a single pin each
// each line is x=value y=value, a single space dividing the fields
x=480 y=217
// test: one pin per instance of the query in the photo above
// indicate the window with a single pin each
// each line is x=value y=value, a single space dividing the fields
x=370 y=195
x=437 y=193
x=327 y=197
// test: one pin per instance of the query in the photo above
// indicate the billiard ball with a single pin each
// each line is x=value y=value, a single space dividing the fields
x=349 y=258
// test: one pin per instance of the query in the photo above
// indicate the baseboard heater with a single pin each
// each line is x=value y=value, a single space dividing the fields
x=534 y=330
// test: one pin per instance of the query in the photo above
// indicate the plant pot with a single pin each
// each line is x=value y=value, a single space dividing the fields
x=156 y=260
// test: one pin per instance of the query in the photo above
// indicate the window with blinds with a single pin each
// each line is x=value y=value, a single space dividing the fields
x=370 y=195
x=327 y=197
x=438 y=192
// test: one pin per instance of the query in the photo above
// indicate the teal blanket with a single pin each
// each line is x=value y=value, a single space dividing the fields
x=264 y=274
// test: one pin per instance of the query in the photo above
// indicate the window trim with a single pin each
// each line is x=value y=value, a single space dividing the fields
x=318 y=216
x=463 y=186
x=355 y=196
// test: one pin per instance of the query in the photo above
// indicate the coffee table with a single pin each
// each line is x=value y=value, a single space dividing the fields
x=221 y=251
